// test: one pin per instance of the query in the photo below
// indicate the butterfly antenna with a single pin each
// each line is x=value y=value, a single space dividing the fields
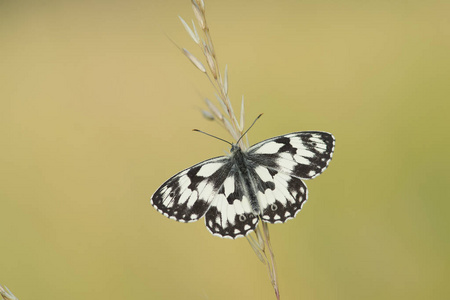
x=213 y=136
x=248 y=128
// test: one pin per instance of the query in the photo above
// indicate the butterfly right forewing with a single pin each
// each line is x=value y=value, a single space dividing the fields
x=303 y=154
x=280 y=164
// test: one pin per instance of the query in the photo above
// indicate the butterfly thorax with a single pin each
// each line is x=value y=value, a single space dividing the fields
x=241 y=166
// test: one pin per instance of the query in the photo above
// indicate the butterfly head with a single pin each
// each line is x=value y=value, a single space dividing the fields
x=234 y=148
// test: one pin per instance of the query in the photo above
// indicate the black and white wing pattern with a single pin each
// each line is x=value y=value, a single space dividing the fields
x=280 y=165
x=231 y=214
x=212 y=188
x=187 y=196
x=234 y=192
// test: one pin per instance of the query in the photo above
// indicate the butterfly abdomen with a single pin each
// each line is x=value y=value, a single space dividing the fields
x=242 y=167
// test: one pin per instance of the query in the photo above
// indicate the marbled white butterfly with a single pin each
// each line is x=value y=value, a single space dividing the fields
x=234 y=192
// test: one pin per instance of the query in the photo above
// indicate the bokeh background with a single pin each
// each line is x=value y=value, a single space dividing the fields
x=96 y=111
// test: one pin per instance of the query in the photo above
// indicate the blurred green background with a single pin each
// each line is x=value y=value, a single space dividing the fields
x=96 y=111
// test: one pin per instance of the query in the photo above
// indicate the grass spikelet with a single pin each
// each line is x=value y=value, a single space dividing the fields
x=195 y=32
x=225 y=81
x=191 y=33
x=200 y=4
x=199 y=15
x=214 y=109
x=211 y=63
x=210 y=45
x=223 y=105
x=194 y=60
x=207 y=115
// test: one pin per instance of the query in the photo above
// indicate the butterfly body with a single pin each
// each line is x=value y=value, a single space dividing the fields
x=242 y=164
x=235 y=192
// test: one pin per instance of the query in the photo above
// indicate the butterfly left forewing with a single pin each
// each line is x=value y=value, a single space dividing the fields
x=187 y=196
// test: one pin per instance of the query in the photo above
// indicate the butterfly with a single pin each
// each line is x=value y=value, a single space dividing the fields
x=235 y=192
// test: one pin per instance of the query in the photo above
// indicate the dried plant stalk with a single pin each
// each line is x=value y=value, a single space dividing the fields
x=260 y=241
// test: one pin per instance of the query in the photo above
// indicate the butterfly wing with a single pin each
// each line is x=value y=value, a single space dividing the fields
x=303 y=154
x=230 y=214
x=187 y=196
x=279 y=165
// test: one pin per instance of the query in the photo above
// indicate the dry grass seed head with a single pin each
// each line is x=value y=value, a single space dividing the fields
x=200 y=4
x=194 y=60
x=225 y=81
x=191 y=33
x=207 y=115
x=199 y=15
x=241 y=123
x=210 y=45
x=214 y=110
x=224 y=107
x=211 y=62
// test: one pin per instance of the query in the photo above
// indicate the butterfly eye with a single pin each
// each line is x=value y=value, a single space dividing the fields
x=242 y=218
x=273 y=207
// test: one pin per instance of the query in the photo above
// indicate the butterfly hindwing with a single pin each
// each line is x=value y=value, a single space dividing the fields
x=280 y=196
x=187 y=196
x=230 y=214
